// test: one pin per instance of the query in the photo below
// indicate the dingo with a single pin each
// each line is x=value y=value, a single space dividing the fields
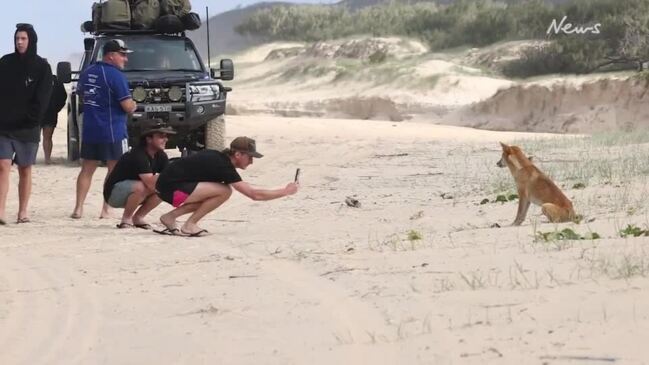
x=534 y=187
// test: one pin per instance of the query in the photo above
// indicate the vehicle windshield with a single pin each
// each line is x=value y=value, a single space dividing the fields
x=160 y=54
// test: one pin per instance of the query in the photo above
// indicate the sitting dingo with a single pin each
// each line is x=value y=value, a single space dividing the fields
x=534 y=187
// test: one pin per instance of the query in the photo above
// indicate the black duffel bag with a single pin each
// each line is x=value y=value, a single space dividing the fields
x=168 y=24
x=191 y=21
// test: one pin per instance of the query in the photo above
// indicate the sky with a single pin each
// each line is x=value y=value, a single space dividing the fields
x=57 y=22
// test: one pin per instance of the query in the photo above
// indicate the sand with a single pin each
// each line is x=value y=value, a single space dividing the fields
x=310 y=280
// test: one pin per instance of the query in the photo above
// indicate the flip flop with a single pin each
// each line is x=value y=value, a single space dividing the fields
x=23 y=220
x=142 y=226
x=124 y=225
x=201 y=233
x=168 y=232
x=75 y=216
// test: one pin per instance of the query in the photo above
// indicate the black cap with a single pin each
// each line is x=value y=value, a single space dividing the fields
x=116 y=45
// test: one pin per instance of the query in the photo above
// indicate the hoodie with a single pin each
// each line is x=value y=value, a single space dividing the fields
x=57 y=102
x=24 y=91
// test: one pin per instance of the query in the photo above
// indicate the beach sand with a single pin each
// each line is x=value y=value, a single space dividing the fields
x=310 y=280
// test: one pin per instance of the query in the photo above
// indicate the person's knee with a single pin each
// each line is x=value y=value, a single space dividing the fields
x=5 y=166
x=25 y=171
x=139 y=188
x=88 y=167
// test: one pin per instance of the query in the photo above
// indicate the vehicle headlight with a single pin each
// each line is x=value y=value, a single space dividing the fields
x=203 y=92
x=139 y=94
x=175 y=94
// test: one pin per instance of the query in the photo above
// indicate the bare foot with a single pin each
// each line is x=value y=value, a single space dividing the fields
x=106 y=214
x=76 y=215
x=168 y=221
x=190 y=228
x=138 y=221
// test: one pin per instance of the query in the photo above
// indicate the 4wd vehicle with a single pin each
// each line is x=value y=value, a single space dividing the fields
x=168 y=80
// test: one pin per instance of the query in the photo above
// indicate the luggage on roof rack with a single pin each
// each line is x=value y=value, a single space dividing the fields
x=162 y=16
x=112 y=14
x=144 y=13
x=175 y=7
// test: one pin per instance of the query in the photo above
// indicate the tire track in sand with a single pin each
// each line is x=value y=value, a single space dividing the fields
x=49 y=318
x=357 y=324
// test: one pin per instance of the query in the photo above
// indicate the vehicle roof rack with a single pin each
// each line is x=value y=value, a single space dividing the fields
x=112 y=32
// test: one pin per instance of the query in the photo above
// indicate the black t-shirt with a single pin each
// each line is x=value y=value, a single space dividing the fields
x=132 y=164
x=203 y=166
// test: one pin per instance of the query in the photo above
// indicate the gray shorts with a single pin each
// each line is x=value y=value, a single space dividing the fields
x=120 y=193
x=22 y=153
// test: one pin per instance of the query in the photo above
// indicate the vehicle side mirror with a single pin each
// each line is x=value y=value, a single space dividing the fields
x=88 y=44
x=64 y=72
x=226 y=70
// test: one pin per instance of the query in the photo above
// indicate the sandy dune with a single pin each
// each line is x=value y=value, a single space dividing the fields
x=462 y=87
x=309 y=280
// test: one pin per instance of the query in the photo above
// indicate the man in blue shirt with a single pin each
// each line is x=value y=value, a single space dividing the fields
x=107 y=102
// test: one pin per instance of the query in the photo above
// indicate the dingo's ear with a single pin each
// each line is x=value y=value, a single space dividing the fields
x=504 y=146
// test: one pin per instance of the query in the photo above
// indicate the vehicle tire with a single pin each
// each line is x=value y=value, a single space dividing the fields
x=74 y=142
x=215 y=134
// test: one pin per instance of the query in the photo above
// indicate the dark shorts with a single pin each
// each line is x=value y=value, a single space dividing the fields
x=176 y=193
x=22 y=153
x=103 y=151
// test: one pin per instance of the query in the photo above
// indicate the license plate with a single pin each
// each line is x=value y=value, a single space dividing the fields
x=157 y=108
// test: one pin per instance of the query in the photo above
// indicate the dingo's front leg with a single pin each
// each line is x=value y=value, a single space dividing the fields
x=523 y=205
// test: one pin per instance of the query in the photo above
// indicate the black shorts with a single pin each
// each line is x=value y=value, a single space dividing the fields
x=175 y=193
x=103 y=151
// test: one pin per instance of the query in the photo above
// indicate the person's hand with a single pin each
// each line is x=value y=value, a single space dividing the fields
x=291 y=188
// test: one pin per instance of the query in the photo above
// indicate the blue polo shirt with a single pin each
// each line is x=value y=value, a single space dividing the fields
x=103 y=87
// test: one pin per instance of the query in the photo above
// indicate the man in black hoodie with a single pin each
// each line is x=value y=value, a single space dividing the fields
x=24 y=96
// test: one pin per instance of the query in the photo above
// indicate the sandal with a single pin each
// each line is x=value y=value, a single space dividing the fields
x=168 y=232
x=201 y=233
x=23 y=220
x=143 y=226
x=124 y=225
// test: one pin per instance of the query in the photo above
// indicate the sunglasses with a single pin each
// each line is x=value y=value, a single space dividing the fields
x=24 y=26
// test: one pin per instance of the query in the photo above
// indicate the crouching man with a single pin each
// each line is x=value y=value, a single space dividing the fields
x=131 y=184
x=200 y=183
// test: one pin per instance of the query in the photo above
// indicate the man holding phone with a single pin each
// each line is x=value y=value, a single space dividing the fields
x=200 y=183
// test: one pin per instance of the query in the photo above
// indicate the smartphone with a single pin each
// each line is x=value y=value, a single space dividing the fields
x=297 y=174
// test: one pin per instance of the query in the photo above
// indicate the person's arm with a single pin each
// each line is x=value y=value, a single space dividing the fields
x=41 y=99
x=128 y=105
x=123 y=94
x=61 y=96
x=149 y=180
x=264 y=194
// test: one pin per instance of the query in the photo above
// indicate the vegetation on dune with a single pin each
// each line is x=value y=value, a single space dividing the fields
x=621 y=40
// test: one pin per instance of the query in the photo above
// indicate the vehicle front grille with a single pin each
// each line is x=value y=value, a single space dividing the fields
x=161 y=115
x=161 y=95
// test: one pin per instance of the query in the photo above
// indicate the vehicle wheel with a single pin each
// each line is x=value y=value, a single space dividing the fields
x=73 y=140
x=215 y=134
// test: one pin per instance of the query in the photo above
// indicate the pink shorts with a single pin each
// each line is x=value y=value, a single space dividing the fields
x=176 y=194
x=179 y=198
